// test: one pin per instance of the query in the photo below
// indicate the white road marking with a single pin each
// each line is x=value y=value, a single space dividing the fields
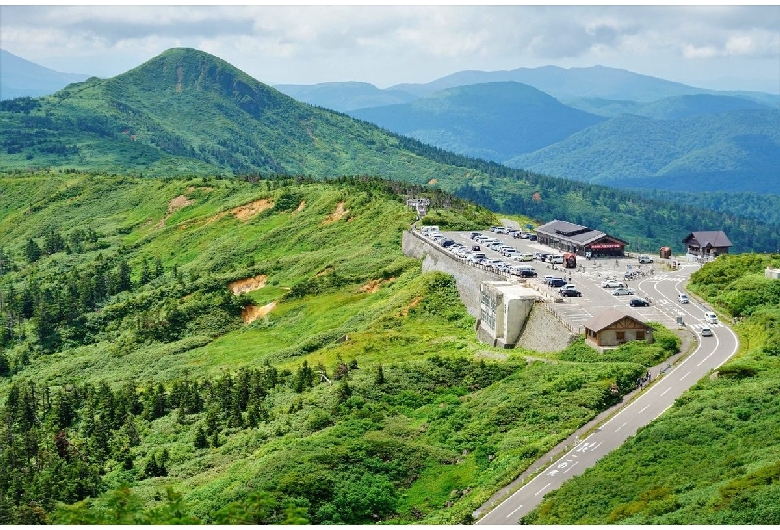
x=665 y=391
x=686 y=375
x=624 y=424
x=544 y=488
x=572 y=467
x=513 y=511
x=644 y=409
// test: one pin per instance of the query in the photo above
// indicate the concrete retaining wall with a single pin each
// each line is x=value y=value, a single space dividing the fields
x=467 y=278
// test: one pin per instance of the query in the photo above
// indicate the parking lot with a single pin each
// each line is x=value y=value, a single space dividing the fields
x=590 y=278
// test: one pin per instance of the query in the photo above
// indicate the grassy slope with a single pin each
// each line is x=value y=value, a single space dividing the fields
x=439 y=427
x=714 y=458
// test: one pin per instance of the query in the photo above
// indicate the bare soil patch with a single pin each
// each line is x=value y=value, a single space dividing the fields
x=247 y=285
x=374 y=285
x=252 y=312
x=432 y=182
x=412 y=304
x=175 y=204
x=301 y=207
x=247 y=211
x=339 y=213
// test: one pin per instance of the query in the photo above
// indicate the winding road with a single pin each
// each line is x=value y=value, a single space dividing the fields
x=710 y=353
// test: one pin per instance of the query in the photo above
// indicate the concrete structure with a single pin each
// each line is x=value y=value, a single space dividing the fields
x=706 y=246
x=504 y=309
x=569 y=237
x=773 y=274
x=612 y=328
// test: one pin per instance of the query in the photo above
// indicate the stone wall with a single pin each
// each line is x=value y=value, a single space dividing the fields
x=544 y=331
x=467 y=278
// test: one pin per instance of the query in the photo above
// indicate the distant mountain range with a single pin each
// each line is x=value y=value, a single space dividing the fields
x=186 y=112
x=345 y=96
x=20 y=77
x=493 y=121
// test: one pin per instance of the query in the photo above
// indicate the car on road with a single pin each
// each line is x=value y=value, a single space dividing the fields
x=638 y=302
x=557 y=282
x=645 y=259
x=710 y=317
x=525 y=257
x=611 y=284
x=555 y=258
x=682 y=298
x=620 y=291
x=570 y=292
x=706 y=332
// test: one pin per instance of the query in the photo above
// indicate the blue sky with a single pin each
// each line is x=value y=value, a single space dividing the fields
x=717 y=46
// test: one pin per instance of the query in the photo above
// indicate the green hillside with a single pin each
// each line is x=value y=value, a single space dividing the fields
x=670 y=108
x=187 y=113
x=713 y=458
x=732 y=151
x=493 y=121
x=264 y=349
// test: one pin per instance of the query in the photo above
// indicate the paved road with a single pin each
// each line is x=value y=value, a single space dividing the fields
x=710 y=353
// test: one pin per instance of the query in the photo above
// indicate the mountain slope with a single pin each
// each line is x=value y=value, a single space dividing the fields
x=667 y=108
x=189 y=113
x=574 y=83
x=344 y=97
x=732 y=151
x=22 y=78
x=493 y=121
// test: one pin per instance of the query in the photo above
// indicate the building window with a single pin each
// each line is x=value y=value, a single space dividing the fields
x=621 y=336
x=640 y=335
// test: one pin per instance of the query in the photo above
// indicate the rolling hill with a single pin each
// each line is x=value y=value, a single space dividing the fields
x=737 y=150
x=670 y=108
x=22 y=78
x=493 y=121
x=345 y=97
x=576 y=83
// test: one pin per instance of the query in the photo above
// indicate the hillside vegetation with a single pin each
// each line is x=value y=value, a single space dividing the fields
x=188 y=113
x=258 y=350
x=713 y=458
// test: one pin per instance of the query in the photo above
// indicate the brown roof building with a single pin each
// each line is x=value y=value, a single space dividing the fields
x=612 y=328
x=570 y=237
x=707 y=245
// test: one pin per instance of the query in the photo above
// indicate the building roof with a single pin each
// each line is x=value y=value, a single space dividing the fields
x=578 y=234
x=608 y=317
x=715 y=239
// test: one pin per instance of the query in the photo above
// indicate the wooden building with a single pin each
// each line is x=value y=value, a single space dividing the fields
x=612 y=328
x=578 y=239
x=706 y=246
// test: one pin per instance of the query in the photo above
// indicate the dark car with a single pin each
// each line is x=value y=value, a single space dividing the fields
x=570 y=292
x=532 y=237
x=638 y=302
x=525 y=273
x=557 y=282
x=475 y=248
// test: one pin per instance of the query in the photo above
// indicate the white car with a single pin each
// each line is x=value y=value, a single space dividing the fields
x=525 y=257
x=622 y=291
x=706 y=332
x=682 y=298
x=611 y=284
x=710 y=317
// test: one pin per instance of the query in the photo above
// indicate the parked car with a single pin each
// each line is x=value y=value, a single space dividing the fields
x=620 y=291
x=611 y=284
x=475 y=248
x=645 y=259
x=570 y=292
x=557 y=282
x=474 y=235
x=528 y=273
x=525 y=257
x=706 y=332
x=532 y=237
x=682 y=298
x=556 y=259
x=638 y=302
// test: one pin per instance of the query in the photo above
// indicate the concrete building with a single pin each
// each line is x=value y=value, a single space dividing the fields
x=706 y=246
x=612 y=328
x=581 y=240
x=773 y=274
x=504 y=309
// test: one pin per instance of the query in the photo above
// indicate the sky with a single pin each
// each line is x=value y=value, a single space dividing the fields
x=710 y=46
